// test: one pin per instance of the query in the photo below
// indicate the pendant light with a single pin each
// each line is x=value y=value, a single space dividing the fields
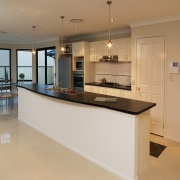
x=33 y=48
x=109 y=44
x=62 y=34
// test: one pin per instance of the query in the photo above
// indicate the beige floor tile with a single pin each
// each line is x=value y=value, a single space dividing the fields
x=26 y=154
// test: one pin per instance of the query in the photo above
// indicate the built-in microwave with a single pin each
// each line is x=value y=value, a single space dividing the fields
x=79 y=64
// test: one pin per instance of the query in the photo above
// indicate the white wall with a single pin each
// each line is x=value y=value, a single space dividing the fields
x=171 y=31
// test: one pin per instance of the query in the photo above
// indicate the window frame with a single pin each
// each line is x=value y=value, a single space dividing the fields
x=9 y=79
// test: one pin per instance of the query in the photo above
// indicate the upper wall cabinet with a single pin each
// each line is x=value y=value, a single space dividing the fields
x=96 y=51
x=124 y=49
x=121 y=47
x=78 y=49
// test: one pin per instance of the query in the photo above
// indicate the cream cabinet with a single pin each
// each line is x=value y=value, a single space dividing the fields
x=127 y=94
x=106 y=91
x=99 y=52
x=115 y=47
x=122 y=93
x=88 y=88
x=114 y=50
x=93 y=89
x=102 y=90
x=124 y=49
x=78 y=49
x=96 y=50
x=92 y=51
x=105 y=50
x=120 y=47
x=118 y=93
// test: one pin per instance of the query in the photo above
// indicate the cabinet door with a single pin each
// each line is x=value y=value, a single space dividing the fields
x=93 y=52
x=109 y=91
x=99 y=52
x=128 y=48
x=124 y=49
x=96 y=50
x=122 y=93
x=127 y=94
x=106 y=91
x=78 y=49
x=110 y=51
x=101 y=90
x=90 y=88
x=115 y=47
x=117 y=92
x=95 y=89
x=105 y=50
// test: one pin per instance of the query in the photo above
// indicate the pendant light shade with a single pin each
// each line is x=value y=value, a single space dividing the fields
x=109 y=44
x=33 y=48
x=62 y=35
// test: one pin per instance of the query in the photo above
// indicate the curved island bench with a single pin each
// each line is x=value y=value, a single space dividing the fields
x=112 y=132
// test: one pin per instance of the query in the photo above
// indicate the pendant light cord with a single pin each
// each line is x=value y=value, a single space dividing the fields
x=109 y=19
x=62 y=33
x=33 y=39
x=109 y=44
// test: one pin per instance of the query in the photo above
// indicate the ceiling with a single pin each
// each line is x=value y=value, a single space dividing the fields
x=18 y=16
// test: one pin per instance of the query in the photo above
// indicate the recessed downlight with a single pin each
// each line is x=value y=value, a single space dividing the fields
x=3 y=32
x=76 y=20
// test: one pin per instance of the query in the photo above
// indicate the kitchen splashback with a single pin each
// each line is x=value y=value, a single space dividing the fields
x=113 y=72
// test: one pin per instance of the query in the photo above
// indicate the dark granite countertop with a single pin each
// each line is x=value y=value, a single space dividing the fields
x=129 y=106
x=116 y=86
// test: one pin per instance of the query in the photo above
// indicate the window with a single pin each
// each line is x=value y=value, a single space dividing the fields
x=24 y=64
x=5 y=64
x=46 y=65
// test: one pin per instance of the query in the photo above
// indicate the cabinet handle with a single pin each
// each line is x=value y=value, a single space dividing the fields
x=138 y=88
x=126 y=57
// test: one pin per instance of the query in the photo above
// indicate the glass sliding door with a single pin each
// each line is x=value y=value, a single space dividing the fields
x=41 y=66
x=24 y=64
x=46 y=66
x=50 y=66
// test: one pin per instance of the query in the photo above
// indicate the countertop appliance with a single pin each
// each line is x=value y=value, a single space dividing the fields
x=65 y=71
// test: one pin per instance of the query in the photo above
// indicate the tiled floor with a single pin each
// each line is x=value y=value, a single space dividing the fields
x=26 y=154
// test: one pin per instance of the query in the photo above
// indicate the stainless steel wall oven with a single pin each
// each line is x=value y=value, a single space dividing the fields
x=78 y=80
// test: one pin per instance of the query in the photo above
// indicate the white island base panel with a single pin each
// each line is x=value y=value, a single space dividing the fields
x=116 y=141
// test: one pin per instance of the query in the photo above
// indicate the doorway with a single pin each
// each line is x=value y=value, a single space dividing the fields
x=150 y=70
x=46 y=65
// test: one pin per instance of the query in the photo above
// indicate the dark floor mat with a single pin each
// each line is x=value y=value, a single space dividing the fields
x=156 y=149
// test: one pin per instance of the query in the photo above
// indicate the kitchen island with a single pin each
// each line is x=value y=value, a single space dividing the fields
x=114 y=135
